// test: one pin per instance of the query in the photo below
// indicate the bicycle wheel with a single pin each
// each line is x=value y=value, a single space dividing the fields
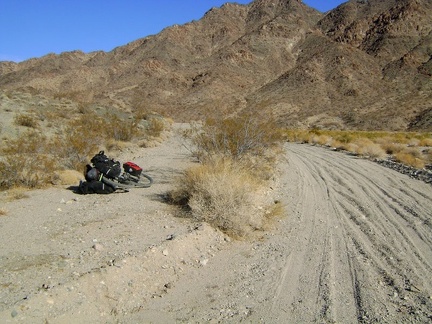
x=144 y=181
x=128 y=181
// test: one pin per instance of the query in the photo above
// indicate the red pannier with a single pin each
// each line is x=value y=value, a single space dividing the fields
x=132 y=168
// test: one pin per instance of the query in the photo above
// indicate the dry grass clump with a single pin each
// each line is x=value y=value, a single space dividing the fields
x=235 y=137
x=389 y=145
x=226 y=195
x=411 y=156
x=67 y=177
x=321 y=140
x=26 y=121
x=368 y=148
x=26 y=170
x=17 y=193
x=156 y=127
x=238 y=156
x=426 y=142
x=408 y=159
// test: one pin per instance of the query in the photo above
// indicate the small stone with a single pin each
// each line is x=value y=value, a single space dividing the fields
x=98 y=247
x=14 y=313
x=165 y=252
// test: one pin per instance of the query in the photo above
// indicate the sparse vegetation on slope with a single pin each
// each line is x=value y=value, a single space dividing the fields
x=51 y=143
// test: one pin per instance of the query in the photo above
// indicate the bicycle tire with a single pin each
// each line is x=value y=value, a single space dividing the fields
x=145 y=181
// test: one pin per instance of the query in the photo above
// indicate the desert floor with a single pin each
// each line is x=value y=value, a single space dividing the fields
x=354 y=246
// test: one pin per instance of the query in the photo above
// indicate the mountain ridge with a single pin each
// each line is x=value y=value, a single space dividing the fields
x=362 y=65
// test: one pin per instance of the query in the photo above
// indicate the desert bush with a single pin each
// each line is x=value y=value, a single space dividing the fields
x=389 y=145
x=17 y=193
x=409 y=159
x=26 y=170
x=238 y=156
x=30 y=141
x=26 y=121
x=426 y=142
x=414 y=151
x=368 y=148
x=155 y=127
x=235 y=137
x=321 y=140
x=299 y=136
x=119 y=129
x=224 y=194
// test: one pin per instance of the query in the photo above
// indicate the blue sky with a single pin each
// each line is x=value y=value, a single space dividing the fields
x=33 y=28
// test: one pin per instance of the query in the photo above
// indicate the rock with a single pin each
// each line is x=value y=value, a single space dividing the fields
x=97 y=247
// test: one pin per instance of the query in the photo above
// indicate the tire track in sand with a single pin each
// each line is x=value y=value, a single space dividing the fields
x=375 y=259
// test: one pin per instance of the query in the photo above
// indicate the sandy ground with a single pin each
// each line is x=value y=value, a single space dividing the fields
x=355 y=246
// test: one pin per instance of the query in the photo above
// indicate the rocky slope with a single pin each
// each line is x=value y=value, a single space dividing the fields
x=365 y=64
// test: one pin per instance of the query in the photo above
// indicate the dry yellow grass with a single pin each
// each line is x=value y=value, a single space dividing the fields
x=368 y=148
x=403 y=146
x=409 y=159
x=226 y=195
x=17 y=193
x=68 y=177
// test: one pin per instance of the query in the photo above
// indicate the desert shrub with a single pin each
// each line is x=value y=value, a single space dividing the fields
x=26 y=121
x=404 y=146
x=368 y=148
x=17 y=193
x=224 y=194
x=426 y=142
x=344 y=137
x=30 y=141
x=321 y=140
x=299 y=136
x=413 y=142
x=409 y=159
x=414 y=151
x=389 y=145
x=26 y=170
x=155 y=127
x=235 y=137
x=238 y=156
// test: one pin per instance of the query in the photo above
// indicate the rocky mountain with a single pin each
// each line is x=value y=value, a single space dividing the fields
x=367 y=64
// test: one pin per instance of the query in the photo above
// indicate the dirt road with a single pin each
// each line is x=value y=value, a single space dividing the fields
x=355 y=246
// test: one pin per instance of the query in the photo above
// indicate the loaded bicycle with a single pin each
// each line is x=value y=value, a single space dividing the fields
x=105 y=175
